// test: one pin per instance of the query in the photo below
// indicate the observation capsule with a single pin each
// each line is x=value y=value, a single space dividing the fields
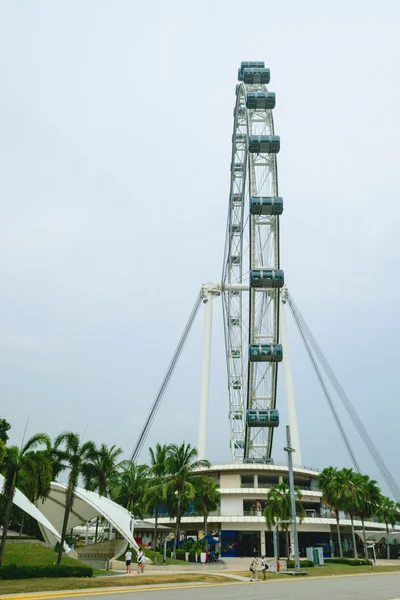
x=256 y=75
x=249 y=65
x=255 y=460
x=264 y=144
x=265 y=353
x=260 y=100
x=239 y=444
x=236 y=384
x=262 y=418
x=267 y=278
x=237 y=168
x=237 y=198
x=266 y=205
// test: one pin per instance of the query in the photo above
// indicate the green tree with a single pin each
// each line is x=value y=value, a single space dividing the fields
x=131 y=487
x=74 y=455
x=388 y=512
x=328 y=484
x=207 y=499
x=180 y=482
x=348 y=496
x=279 y=507
x=154 y=493
x=102 y=473
x=4 y=428
x=369 y=499
x=32 y=469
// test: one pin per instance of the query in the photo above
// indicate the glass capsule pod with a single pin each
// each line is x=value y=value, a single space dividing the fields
x=260 y=100
x=265 y=353
x=237 y=168
x=262 y=418
x=237 y=198
x=267 y=278
x=266 y=205
x=264 y=144
x=237 y=415
x=255 y=460
x=256 y=75
x=249 y=65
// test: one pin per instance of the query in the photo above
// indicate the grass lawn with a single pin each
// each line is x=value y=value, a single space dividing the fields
x=72 y=583
x=36 y=554
x=328 y=570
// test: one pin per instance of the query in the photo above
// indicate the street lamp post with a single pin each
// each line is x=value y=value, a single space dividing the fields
x=290 y=451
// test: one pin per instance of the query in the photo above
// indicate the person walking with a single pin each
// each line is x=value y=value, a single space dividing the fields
x=254 y=568
x=264 y=567
x=139 y=560
x=142 y=562
x=128 y=560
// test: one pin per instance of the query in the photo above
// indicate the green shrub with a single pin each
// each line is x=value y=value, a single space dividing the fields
x=180 y=555
x=349 y=561
x=31 y=572
x=303 y=563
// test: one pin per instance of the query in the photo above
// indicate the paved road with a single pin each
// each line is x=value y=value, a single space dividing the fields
x=366 y=587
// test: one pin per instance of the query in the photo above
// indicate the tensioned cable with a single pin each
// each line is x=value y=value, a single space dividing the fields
x=157 y=401
x=386 y=474
x=380 y=463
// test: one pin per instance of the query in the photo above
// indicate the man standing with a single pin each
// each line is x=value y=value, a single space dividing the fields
x=128 y=560
x=254 y=568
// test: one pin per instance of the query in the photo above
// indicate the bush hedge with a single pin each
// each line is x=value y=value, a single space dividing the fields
x=359 y=562
x=30 y=572
x=303 y=563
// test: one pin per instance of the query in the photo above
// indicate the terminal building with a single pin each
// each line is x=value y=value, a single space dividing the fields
x=239 y=523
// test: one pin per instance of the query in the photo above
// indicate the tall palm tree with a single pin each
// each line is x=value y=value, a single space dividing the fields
x=370 y=496
x=388 y=512
x=154 y=493
x=181 y=479
x=74 y=455
x=328 y=484
x=24 y=465
x=348 y=490
x=102 y=472
x=207 y=499
x=130 y=489
x=279 y=507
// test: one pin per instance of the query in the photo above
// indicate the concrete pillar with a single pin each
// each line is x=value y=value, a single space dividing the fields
x=263 y=545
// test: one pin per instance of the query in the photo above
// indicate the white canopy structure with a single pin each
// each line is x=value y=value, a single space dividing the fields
x=87 y=505
x=49 y=532
x=377 y=536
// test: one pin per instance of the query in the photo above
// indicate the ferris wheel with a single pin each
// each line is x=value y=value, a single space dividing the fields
x=252 y=278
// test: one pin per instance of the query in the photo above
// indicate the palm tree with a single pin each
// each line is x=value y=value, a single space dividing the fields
x=154 y=493
x=388 y=512
x=279 y=507
x=24 y=465
x=130 y=489
x=181 y=480
x=74 y=455
x=370 y=496
x=328 y=484
x=348 y=490
x=207 y=499
x=102 y=473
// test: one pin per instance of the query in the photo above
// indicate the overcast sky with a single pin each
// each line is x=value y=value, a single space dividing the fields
x=116 y=124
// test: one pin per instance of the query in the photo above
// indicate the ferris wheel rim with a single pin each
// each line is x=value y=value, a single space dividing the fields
x=237 y=453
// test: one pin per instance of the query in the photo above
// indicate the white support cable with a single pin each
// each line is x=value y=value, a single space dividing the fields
x=380 y=463
x=157 y=401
